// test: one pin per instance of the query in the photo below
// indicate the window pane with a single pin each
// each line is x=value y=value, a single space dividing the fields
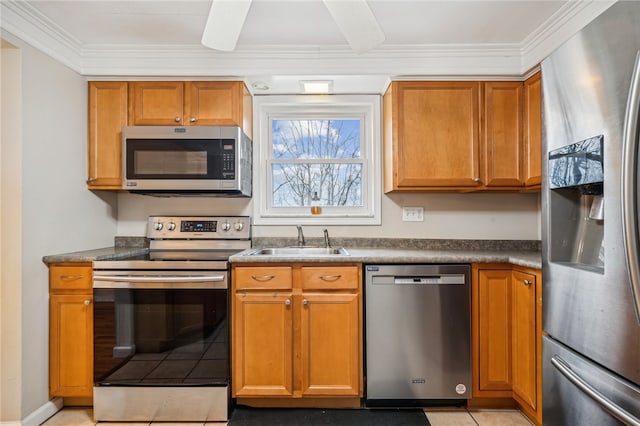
x=336 y=184
x=313 y=139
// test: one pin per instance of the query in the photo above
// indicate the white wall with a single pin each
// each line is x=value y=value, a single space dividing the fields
x=446 y=216
x=10 y=211
x=58 y=213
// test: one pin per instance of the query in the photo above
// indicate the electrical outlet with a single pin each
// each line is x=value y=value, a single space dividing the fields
x=412 y=214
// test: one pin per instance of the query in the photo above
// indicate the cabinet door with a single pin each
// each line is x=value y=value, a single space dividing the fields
x=494 y=329
x=214 y=103
x=71 y=345
x=436 y=134
x=524 y=337
x=107 y=116
x=158 y=103
x=533 y=130
x=262 y=348
x=503 y=148
x=330 y=347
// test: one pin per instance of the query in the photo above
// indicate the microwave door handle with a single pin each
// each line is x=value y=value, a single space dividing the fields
x=630 y=140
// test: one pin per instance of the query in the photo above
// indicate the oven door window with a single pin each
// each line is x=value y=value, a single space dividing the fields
x=180 y=159
x=167 y=337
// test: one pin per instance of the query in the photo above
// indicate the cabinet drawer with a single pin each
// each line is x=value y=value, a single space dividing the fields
x=70 y=277
x=326 y=277
x=269 y=277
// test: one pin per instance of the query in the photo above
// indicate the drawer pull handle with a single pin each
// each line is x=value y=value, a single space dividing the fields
x=71 y=277
x=330 y=278
x=263 y=278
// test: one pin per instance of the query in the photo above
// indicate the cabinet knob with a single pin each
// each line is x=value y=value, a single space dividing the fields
x=178 y=119
x=287 y=302
x=527 y=282
x=87 y=302
x=91 y=179
x=476 y=179
x=193 y=119
x=305 y=302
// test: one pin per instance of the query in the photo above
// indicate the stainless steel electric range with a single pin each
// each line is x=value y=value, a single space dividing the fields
x=161 y=329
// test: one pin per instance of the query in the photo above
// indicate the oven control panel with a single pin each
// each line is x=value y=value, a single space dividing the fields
x=199 y=227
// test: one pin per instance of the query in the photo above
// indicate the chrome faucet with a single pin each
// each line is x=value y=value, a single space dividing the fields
x=327 y=243
x=301 y=242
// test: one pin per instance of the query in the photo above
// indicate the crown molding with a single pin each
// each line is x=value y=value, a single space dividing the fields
x=23 y=21
x=280 y=60
x=566 y=22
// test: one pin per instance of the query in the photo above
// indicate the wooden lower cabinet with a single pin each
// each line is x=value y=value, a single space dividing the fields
x=70 y=330
x=507 y=336
x=296 y=332
x=262 y=338
x=330 y=350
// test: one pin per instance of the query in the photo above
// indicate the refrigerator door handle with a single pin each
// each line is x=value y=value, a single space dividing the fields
x=630 y=183
x=612 y=408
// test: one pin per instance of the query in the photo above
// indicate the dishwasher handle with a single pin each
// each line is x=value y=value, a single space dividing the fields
x=429 y=279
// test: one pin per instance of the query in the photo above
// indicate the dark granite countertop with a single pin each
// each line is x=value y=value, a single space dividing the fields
x=522 y=253
x=529 y=259
x=106 y=253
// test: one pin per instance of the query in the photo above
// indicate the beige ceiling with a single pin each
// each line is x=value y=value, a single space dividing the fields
x=292 y=39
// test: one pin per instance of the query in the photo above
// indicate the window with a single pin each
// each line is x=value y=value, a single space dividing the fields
x=317 y=151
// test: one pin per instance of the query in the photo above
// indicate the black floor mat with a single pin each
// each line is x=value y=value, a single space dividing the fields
x=246 y=416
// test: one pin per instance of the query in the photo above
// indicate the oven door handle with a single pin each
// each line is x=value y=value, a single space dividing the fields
x=159 y=278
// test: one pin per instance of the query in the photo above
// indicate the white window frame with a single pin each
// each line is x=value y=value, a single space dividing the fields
x=366 y=108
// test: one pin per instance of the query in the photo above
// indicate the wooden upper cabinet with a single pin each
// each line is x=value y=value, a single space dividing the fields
x=191 y=103
x=503 y=147
x=107 y=116
x=432 y=135
x=156 y=103
x=219 y=103
x=533 y=130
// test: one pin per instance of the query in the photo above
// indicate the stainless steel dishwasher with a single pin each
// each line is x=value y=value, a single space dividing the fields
x=418 y=334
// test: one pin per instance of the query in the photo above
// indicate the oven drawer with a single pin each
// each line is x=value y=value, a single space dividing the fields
x=330 y=278
x=262 y=277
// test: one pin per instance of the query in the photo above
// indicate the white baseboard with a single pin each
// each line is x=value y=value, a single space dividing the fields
x=39 y=416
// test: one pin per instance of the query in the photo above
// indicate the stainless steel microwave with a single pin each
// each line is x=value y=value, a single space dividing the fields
x=198 y=160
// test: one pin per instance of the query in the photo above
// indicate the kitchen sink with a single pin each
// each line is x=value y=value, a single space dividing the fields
x=299 y=251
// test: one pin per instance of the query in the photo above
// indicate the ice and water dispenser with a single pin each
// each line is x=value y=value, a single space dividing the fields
x=576 y=204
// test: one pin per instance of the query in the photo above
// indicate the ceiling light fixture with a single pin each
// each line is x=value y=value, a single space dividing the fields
x=316 y=87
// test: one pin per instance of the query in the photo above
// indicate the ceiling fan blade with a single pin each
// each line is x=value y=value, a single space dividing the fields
x=357 y=23
x=225 y=21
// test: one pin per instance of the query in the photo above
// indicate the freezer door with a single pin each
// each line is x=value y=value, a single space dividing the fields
x=578 y=392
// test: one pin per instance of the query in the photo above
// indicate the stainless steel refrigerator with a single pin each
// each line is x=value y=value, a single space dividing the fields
x=590 y=221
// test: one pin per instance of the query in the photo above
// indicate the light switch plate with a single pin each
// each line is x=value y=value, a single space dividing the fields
x=412 y=214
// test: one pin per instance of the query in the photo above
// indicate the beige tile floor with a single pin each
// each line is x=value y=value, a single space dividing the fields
x=437 y=417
